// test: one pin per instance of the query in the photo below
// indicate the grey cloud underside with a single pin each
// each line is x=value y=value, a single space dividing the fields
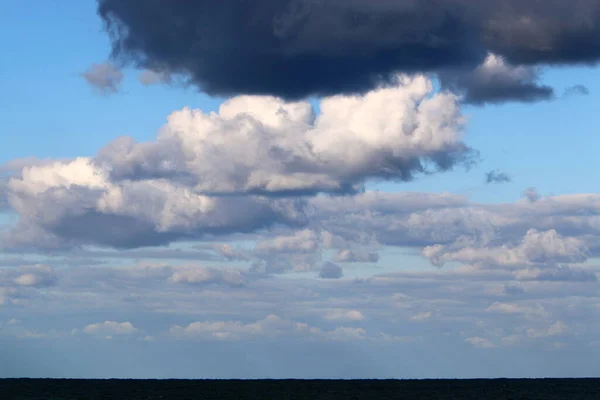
x=297 y=48
x=91 y=227
x=495 y=81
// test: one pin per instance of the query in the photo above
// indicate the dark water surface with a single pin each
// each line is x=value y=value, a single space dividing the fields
x=514 y=389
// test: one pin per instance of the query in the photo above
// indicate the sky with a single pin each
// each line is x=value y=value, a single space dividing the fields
x=300 y=189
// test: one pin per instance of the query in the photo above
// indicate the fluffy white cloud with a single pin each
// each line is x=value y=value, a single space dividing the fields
x=235 y=171
x=76 y=203
x=271 y=146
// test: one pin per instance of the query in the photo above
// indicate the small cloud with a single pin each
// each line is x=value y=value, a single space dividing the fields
x=105 y=78
x=577 y=90
x=531 y=194
x=556 y=329
x=479 y=342
x=330 y=270
x=350 y=256
x=513 y=289
x=206 y=276
x=341 y=315
x=36 y=276
x=496 y=176
x=421 y=316
x=26 y=280
x=511 y=340
x=110 y=328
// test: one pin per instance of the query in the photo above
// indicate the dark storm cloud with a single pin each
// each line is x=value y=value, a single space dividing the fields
x=497 y=177
x=296 y=48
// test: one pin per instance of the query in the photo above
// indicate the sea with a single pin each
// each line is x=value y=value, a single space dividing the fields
x=478 y=389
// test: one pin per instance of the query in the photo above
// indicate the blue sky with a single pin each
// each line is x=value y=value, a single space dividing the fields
x=516 y=285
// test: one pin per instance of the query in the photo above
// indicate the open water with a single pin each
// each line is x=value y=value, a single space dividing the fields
x=505 y=389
